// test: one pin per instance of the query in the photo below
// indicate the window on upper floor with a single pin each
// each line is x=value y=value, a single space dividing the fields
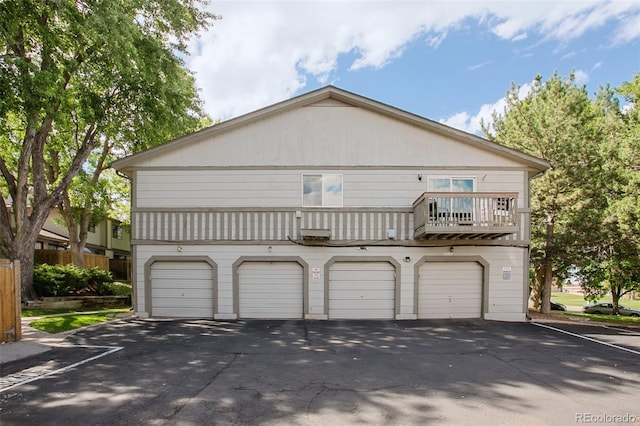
x=116 y=232
x=322 y=190
x=451 y=184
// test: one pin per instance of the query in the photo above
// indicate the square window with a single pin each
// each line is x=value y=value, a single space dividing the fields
x=116 y=232
x=322 y=190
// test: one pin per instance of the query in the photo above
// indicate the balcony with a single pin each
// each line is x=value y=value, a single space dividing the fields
x=464 y=215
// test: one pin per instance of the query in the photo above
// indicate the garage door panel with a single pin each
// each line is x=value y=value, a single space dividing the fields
x=372 y=265
x=270 y=290
x=201 y=282
x=358 y=314
x=348 y=276
x=182 y=302
x=182 y=293
x=362 y=290
x=185 y=273
x=179 y=312
x=182 y=289
x=372 y=305
x=350 y=295
x=450 y=290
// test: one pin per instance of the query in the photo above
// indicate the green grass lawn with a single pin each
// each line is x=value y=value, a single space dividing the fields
x=61 y=321
x=577 y=300
x=617 y=319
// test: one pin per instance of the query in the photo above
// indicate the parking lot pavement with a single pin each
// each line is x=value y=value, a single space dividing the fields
x=620 y=337
x=331 y=372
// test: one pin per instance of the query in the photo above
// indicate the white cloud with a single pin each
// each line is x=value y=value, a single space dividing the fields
x=521 y=36
x=629 y=30
x=478 y=66
x=265 y=51
x=581 y=77
x=473 y=123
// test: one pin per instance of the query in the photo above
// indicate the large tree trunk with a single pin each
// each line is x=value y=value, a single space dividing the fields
x=615 y=299
x=78 y=236
x=545 y=296
x=75 y=246
x=537 y=289
x=76 y=252
x=26 y=273
x=78 y=230
x=23 y=248
x=29 y=222
x=547 y=267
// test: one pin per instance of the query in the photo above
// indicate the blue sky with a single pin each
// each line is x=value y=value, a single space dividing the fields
x=450 y=61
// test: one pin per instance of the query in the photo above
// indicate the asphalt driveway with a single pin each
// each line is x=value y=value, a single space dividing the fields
x=133 y=372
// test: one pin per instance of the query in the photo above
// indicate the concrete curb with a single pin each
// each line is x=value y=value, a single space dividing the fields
x=35 y=342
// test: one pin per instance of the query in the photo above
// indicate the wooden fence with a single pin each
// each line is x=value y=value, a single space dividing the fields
x=64 y=257
x=10 y=308
x=121 y=269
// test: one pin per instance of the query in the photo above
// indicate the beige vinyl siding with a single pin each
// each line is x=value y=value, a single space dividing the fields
x=182 y=289
x=210 y=188
x=270 y=290
x=450 y=290
x=504 y=292
x=341 y=136
x=362 y=290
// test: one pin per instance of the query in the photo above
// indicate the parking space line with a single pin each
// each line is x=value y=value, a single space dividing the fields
x=30 y=375
x=622 y=348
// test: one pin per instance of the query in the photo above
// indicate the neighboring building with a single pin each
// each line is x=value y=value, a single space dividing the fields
x=108 y=238
x=331 y=206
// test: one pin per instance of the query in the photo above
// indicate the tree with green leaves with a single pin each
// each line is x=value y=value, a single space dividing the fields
x=612 y=262
x=83 y=77
x=556 y=121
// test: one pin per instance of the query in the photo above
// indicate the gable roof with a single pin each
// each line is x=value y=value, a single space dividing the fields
x=336 y=94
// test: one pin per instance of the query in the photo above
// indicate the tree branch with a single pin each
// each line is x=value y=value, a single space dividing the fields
x=88 y=144
x=8 y=178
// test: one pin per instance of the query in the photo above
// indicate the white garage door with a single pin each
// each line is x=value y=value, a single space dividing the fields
x=362 y=290
x=182 y=289
x=270 y=290
x=450 y=290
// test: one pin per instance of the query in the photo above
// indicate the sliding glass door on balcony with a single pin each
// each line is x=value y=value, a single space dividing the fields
x=452 y=210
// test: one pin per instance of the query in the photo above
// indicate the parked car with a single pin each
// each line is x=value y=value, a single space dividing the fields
x=558 y=306
x=607 y=308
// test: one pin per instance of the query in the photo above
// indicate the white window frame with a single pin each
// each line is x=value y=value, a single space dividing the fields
x=451 y=209
x=325 y=197
x=451 y=179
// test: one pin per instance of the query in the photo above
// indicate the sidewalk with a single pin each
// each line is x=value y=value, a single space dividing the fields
x=33 y=342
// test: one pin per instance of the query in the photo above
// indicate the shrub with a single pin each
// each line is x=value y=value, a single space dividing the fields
x=116 y=289
x=51 y=280
x=65 y=280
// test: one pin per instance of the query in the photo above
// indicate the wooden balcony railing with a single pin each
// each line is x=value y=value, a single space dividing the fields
x=433 y=216
x=471 y=215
